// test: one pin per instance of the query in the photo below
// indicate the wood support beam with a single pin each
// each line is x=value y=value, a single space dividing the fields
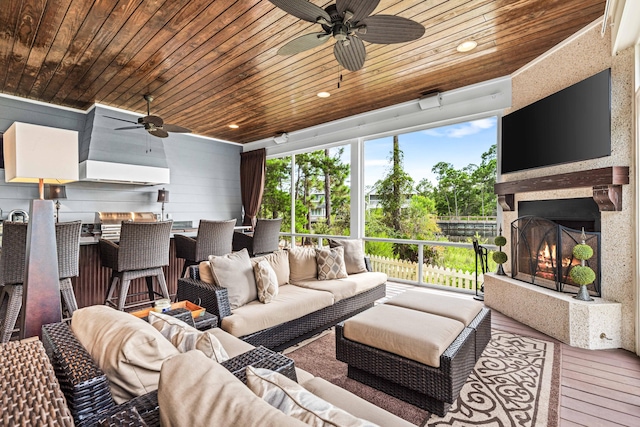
x=606 y=184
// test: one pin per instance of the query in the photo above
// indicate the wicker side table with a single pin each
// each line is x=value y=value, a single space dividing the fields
x=30 y=393
x=261 y=357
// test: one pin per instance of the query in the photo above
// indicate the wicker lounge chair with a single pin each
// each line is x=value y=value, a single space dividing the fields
x=265 y=238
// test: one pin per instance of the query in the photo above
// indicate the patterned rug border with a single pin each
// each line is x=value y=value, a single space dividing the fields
x=554 y=381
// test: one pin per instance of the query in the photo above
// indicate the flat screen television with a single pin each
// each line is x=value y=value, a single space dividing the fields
x=571 y=125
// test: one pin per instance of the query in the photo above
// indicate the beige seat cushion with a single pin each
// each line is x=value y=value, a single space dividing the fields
x=128 y=350
x=351 y=403
x=292 y=302
x=235 y=273
x=279 y=260
x=461 y=309
x=297 y=402
x=196 y=391
x=348 y=287
x=353 y=254
x=418 y=336
x=302 y=264
x=232 y=345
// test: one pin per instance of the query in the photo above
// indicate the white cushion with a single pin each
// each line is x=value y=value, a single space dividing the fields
x=297 y=402
x=353 y=254
x=266 y=281
x=185 y=337
x=234 y=272
x=302 y=264
x=279 y=260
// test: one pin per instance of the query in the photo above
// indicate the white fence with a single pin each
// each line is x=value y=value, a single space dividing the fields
x=431 y=274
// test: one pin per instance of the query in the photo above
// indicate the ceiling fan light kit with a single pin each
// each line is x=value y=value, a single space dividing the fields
x=349 y=23
x=153 y=124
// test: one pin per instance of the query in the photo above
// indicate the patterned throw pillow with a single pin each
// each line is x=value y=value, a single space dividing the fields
x=266 y=281
x=297 y=402
x=331 y=263
x=185 y=337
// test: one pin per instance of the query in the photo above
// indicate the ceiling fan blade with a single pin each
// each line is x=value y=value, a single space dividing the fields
x=160 y=133
x=360 y=8
x=175 y=128
x=387 y=29
x=352 y=55
x=155 y=120
x=302 y=9
x=123 y=120
x=129 y=127
x=302 y=43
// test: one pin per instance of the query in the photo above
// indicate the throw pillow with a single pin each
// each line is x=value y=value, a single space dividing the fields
x=297 y=402
x=279 y=260
x=186 y=338
x=302 y=265
x=331 y=263
x=266 y=281
x=196 y=391
x=205 y=272
x=126 y=348
x=353 y=254
x=234 y=272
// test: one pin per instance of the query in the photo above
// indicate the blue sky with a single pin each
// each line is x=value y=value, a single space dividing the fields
x=460 y=144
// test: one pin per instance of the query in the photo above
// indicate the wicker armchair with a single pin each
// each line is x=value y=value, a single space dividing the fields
x=265 y=238
x=12 y=264
x=214 y=238
x=142 y=251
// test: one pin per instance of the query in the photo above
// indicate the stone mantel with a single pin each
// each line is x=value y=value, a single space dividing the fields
x=591 y=325
x=606 y=184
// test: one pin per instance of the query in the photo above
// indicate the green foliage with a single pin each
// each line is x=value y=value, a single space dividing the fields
x=500 y=241
x=582 y=251
x=582 y=274
x=499 y=257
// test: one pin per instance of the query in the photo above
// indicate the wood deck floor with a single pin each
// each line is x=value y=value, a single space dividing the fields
x=597 y=387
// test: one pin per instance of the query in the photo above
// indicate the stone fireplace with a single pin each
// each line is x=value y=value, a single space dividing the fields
x=542 y=220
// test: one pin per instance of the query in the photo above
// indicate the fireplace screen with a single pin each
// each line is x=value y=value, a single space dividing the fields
x=542 y=254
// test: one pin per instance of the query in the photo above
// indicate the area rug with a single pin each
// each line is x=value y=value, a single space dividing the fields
x=514 y=383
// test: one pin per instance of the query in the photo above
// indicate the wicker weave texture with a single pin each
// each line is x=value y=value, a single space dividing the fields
x=265 y=238
x=405 y=378
x=30 y=393
x=214 y=238
x=260 y=357
x=68 y=245
x=14 y=249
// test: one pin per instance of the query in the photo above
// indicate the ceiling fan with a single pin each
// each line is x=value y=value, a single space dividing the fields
x=153 y=124
x=349 y=23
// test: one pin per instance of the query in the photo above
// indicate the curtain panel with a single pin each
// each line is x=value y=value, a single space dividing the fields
x=252 y=176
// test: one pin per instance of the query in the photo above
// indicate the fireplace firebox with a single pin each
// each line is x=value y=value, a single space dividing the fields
x=542 y=254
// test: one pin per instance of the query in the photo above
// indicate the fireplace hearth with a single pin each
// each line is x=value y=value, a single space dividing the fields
x=542 y=254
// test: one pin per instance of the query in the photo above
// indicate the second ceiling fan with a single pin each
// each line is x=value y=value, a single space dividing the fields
x=349 y=23
x=153 y=124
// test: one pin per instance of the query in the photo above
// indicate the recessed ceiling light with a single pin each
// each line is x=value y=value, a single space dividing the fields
x=234 y=126
x=323 y=94
x=466 y=46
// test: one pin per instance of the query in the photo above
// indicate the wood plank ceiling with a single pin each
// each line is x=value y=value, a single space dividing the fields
x=213 y=63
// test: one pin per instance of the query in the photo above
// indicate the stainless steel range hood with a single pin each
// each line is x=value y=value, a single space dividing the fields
x=124 y=156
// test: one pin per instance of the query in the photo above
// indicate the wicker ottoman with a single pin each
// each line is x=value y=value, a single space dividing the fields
x=471 y=313
x=418 y=357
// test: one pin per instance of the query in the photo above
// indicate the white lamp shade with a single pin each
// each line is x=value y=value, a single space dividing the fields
x=33 y=152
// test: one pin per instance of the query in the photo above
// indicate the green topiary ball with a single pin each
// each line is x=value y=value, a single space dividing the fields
x=500 y=241
x=582 y=251
x=582 y=275
x=499 y=257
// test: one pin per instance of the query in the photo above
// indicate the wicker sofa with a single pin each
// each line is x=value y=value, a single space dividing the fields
x=92 y=400
x=342 y=298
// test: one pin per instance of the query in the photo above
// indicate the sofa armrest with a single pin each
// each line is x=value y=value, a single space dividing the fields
x=212 y=297
x=367 y=263
x=85 y=386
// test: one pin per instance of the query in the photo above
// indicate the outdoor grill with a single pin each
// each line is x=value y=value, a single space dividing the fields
x=110 y=222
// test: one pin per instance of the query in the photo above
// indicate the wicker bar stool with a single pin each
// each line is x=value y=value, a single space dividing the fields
x=265 y=238
x=12 y=263
x=142 y=251
x=213 y=238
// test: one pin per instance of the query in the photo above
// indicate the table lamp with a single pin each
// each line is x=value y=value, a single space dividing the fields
x=163 y=196
x=57 y=192
x=40 y=154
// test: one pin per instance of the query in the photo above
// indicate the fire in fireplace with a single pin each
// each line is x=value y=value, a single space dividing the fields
x=542 y=254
